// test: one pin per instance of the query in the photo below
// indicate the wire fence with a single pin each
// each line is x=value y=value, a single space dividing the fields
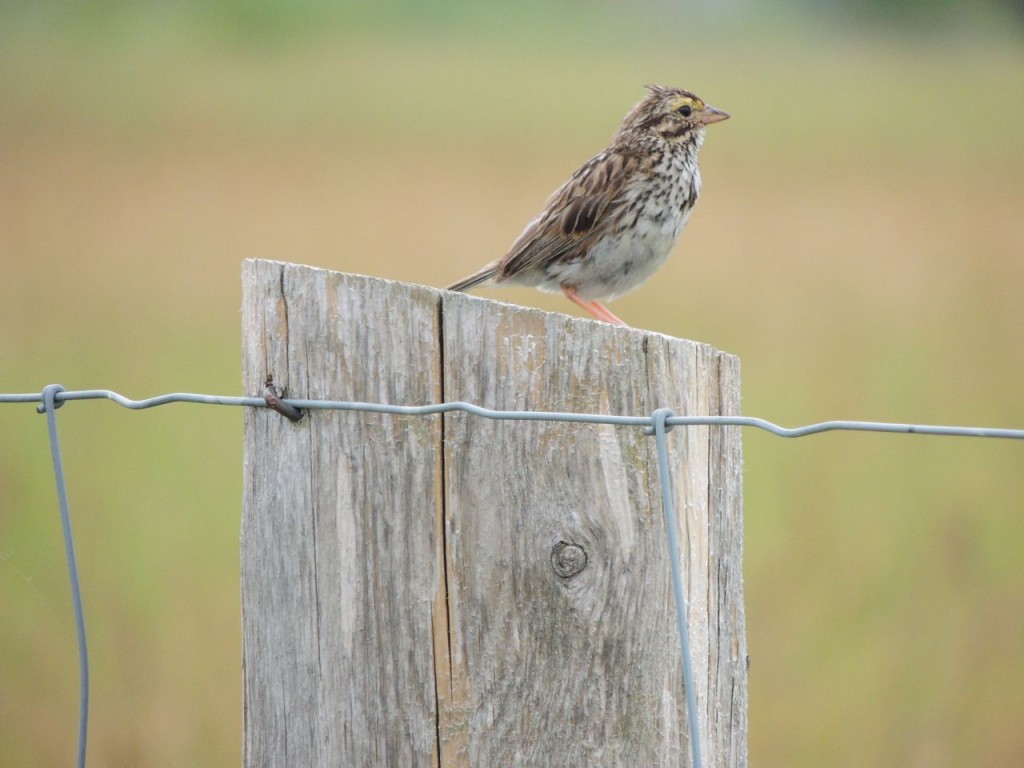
x=658 y=424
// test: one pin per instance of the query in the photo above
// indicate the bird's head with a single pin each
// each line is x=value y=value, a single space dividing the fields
x=673 y=114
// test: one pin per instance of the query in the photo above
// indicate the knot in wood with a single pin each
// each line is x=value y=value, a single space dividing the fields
x=567 y=559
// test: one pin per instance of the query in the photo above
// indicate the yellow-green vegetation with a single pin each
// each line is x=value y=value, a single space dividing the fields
x=859 y=245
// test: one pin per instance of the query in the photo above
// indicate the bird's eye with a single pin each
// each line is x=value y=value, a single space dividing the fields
x=686 y=110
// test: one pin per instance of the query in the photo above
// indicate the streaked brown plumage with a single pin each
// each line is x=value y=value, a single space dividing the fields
x=614 y=222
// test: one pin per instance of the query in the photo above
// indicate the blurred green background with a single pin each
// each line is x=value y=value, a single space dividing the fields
x=859 y=245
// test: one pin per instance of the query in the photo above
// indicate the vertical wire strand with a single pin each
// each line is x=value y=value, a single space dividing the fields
x=50 y=407
x=682 y=612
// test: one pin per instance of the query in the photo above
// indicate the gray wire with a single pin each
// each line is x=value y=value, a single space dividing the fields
x=660 y=418
x=50 y=406
x=657 y=424
x=488 y=413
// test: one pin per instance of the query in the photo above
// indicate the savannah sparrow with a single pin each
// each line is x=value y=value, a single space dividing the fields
x=612 y=224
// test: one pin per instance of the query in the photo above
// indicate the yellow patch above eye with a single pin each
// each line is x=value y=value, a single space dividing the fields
x=686 y=100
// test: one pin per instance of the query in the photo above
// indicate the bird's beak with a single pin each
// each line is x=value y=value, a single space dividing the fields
x=712 y=115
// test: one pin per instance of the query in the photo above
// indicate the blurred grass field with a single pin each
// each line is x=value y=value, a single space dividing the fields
x=859 y=245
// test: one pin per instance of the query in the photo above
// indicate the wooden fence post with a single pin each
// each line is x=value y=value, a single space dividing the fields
x=454 y=591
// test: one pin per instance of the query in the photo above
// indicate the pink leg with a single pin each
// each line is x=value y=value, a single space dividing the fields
x=596 y=308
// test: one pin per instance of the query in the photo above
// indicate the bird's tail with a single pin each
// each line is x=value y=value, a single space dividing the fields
x=484 y=275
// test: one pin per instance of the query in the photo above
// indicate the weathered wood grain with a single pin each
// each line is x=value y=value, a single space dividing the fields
x=463 y=592
x=340 y=552
x=560 y=670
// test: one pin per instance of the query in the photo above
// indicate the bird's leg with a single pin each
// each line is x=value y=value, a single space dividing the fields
x=601 y=311
x=596 y=308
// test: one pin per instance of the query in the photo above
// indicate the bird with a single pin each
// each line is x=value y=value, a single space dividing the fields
x=612 y=225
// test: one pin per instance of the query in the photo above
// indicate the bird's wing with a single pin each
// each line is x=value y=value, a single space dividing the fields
x=575 y=216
